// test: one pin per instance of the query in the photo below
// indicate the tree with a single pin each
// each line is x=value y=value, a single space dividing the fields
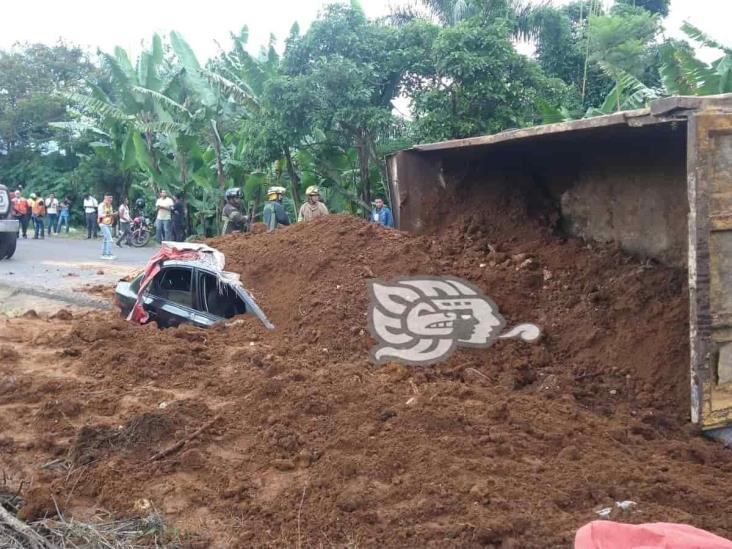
x=520 y=14
x=623 y=38
x=656 y=7
x=562 y=52
x=683 y=74
x=346 y=70
x=478 y=84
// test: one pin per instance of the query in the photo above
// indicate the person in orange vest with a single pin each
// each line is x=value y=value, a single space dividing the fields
x=38 y=213
x=21 y=212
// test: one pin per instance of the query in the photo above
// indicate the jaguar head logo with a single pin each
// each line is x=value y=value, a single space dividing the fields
x=423 y=320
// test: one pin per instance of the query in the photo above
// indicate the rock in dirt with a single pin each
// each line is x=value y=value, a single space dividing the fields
x=62 y=314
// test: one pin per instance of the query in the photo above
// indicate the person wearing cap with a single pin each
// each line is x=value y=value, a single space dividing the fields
x=232 y=218
x=313 y=207
x=274 y=213
x=38 y=213
x=21 y=212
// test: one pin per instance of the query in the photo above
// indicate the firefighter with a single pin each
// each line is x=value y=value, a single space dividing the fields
x=274 y=213
x=232 y=218
x=313 y=207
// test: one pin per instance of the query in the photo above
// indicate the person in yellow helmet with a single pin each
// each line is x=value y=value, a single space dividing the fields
x=274 y=213
x=313 y=207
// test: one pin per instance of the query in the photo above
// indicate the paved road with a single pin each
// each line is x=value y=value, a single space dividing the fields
x=59 y=269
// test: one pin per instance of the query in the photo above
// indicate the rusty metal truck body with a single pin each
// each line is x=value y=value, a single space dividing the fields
x=656 y=181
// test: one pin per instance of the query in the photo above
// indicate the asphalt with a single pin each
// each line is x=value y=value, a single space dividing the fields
x=46 y=274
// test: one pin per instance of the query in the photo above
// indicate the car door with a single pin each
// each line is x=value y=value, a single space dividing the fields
x=219 y=300
x=170 y=297
x=213 y=302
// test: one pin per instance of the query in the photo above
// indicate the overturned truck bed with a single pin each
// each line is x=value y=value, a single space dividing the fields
x=656 y=181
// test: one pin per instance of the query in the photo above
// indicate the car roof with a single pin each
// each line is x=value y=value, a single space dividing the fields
x=196 y=264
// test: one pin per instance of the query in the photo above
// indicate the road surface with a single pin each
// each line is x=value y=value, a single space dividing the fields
x=47 y=274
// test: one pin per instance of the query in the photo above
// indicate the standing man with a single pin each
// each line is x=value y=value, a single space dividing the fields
x=232 y=218
x=38 y=213
x=163 y=205
x=63 y=215
x=125 y=222
x=274 y=213
x=178 y=218
x=313 y=207
x=105 y=217
x=52 y=213
x=90 y=216
x=21 y=212
x=381 y=214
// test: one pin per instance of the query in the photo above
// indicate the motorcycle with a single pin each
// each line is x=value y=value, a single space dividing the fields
x=140 y=232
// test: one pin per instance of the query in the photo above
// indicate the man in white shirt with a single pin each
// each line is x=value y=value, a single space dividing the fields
x=52 y=213
x=90 y=216
x=163 y=205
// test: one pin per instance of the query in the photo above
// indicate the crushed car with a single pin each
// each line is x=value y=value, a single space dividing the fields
x=185 y=283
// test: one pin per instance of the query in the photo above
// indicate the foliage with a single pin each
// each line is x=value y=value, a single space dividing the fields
x=321 y=111
x=657 y=7
x=477 y=83
x=562 y=52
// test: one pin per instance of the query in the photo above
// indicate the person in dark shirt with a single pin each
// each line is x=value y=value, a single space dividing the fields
x=178 y=218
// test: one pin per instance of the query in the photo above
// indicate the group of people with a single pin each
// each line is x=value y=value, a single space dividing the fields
x=40 y=211
x=274 y=213
x=102 y=217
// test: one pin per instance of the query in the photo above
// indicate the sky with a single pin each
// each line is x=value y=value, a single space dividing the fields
x=131 y=22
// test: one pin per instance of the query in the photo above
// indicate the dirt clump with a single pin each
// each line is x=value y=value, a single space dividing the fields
x=513 y=446
x=62 y=314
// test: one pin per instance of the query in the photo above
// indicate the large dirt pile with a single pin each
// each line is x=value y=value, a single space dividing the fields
x=513 y=446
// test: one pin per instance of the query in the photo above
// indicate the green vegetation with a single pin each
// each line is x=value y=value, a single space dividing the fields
x=319 y=109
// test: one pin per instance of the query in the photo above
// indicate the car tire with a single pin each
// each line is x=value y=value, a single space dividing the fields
x=8 y=242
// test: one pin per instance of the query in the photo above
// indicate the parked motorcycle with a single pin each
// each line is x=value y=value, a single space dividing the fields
x=140 y=232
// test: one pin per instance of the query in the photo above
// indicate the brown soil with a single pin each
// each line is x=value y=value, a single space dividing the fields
x=512 y=446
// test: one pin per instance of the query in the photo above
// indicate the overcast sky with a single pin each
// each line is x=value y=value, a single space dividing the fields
x=106 y=24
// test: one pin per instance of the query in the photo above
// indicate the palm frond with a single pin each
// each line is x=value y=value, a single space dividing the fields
x=239 y=92
x=164 y=100
x=76 y=126
x=162 y=127
x=704 y=78
x=99 y=108
x=703 y=38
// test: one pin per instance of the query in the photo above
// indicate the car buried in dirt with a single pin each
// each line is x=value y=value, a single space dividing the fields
x=185 y=284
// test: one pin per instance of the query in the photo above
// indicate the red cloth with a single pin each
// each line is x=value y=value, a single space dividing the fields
x=138 y=312
x=603 y=534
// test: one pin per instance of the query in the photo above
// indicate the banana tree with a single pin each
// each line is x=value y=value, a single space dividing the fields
x=683 y=74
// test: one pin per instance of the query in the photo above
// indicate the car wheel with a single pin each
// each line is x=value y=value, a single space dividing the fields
x=8 y=242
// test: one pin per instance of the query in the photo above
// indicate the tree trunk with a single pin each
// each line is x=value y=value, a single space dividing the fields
x=220 y=176
x=382 y=169
x=216 y=139
x=294 y=178
x=363 y=168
